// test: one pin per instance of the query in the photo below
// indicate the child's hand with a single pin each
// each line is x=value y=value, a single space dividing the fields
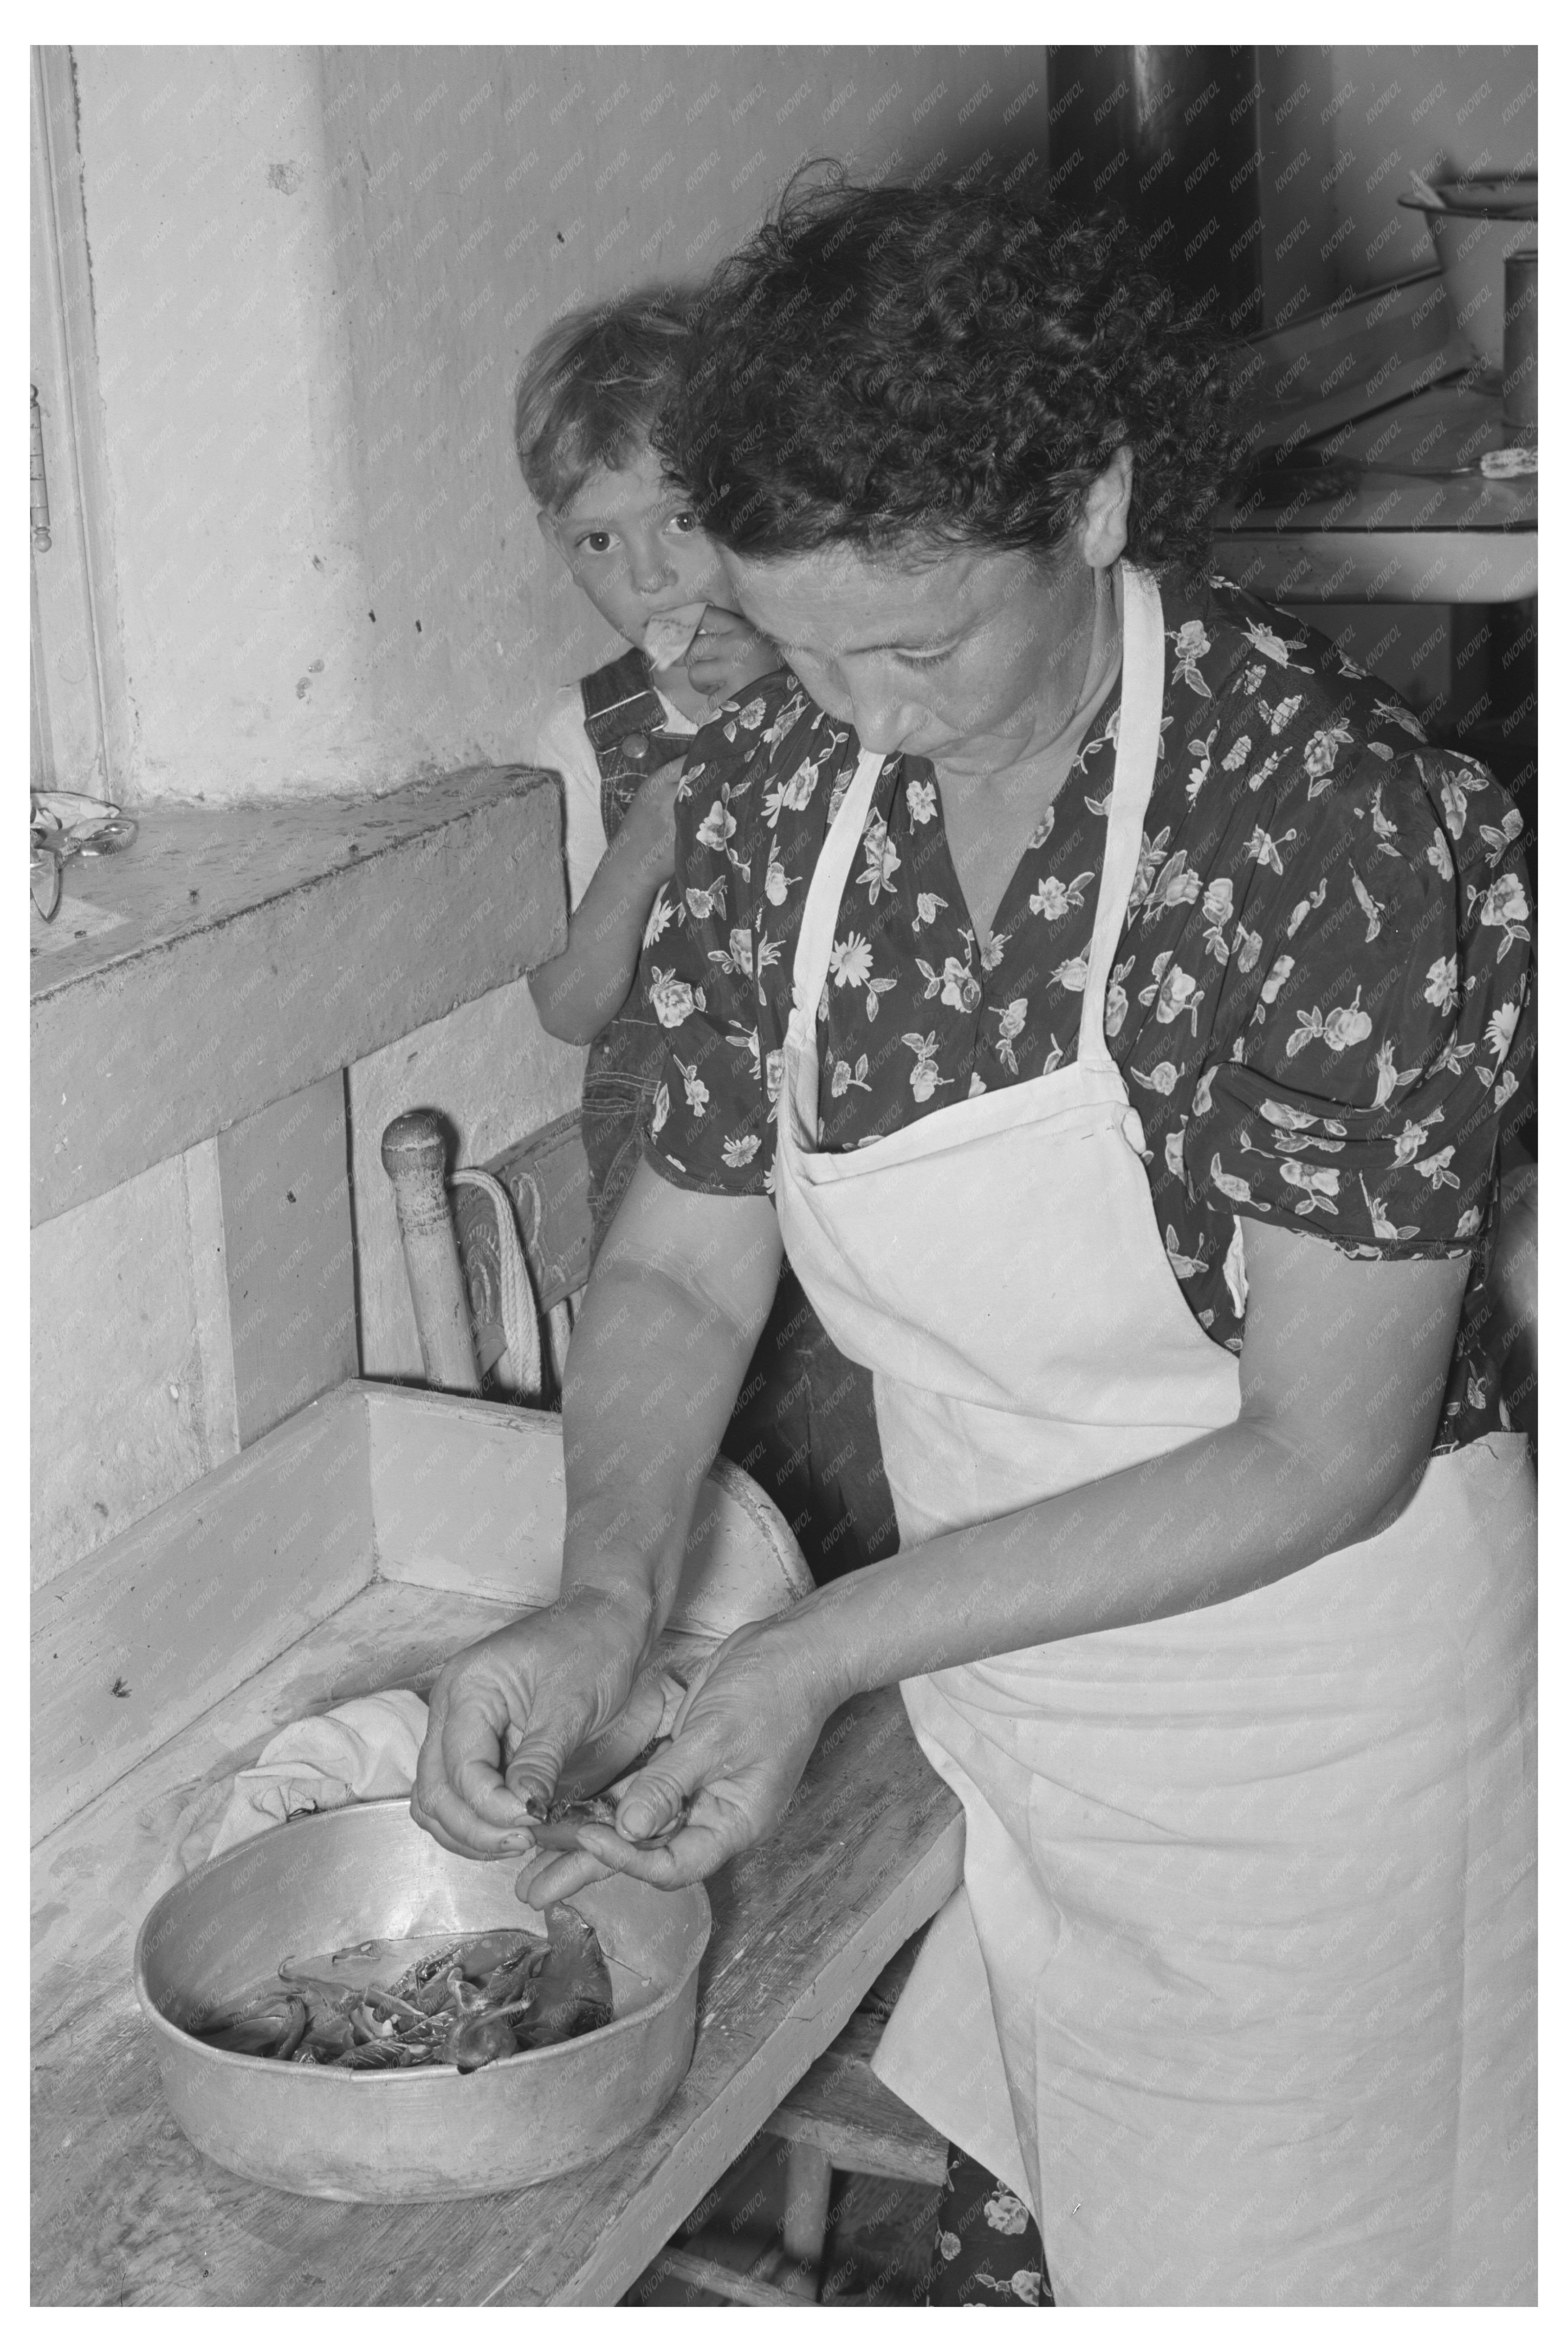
x=727 y=653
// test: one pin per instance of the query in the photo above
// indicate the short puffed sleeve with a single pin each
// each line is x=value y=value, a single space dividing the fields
x=1383 y=1021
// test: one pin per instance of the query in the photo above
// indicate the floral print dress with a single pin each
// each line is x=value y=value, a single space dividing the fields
x=1319 y=1003
x=985 y=2248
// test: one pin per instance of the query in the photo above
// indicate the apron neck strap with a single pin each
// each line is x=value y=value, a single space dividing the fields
x=814 y=946
x=1137 y=755
x=1137 y=751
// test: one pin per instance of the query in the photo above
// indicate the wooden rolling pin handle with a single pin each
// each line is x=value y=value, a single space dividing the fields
x=414 y=1154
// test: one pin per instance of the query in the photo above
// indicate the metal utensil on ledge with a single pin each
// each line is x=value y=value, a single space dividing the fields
x=63 y=825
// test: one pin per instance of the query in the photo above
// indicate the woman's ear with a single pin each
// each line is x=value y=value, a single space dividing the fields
x=1103 y=531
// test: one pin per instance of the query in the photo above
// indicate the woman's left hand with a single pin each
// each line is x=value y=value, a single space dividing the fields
x=740 y=1745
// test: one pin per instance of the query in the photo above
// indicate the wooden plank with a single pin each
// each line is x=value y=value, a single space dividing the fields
x=840 y=2106
x=289 y=1254
x=1367 y=350
x=126 y=2212
x=267 y=944
x=118 y=1347
x=210 y=1284
x=748 y=2288
x=1446 y=428
x=471 y=1497
x=159 y=1624
x=468 y=1497
x=735 y=2225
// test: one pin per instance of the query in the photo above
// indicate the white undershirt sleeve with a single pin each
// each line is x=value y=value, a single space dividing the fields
x=563 y=744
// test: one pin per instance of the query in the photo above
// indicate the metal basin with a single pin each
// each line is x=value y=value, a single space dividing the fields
x=365 y=1870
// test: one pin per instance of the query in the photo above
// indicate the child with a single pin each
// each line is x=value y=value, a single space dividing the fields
x=588 y=398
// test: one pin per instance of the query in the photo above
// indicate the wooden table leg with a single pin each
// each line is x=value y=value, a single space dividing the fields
x=808 y=2178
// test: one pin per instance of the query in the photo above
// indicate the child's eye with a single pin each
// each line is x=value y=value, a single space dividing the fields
x=685 y=522
x=595 y=543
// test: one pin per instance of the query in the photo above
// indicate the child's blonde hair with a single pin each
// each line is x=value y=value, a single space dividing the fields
x=593 y=387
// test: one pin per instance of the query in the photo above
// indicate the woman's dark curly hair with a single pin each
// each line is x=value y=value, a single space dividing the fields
x=906 y=367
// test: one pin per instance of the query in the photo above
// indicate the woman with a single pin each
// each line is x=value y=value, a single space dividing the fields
x=1155 y=999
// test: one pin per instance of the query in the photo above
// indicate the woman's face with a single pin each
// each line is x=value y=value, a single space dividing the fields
x=973 y=658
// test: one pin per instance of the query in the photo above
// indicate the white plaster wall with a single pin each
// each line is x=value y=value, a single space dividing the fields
x=1341 y=130
x=479 y=194
x=227 y=417
x=496 y=1077
x=315 y=273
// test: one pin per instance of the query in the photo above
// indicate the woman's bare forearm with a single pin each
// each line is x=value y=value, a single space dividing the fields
x=680 y=1293
x=1204 y=1524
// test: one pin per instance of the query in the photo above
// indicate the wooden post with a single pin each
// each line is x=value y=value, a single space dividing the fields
x=808 y=2178
x=414 y=1154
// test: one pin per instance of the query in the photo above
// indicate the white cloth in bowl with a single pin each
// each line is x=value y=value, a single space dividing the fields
x=365 y=1748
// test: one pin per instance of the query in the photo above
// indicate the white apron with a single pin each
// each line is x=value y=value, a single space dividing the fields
x=1238 y=1990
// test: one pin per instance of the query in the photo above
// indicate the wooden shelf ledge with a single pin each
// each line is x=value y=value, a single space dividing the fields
x=235 y=955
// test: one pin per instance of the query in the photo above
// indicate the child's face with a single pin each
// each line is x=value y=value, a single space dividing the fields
x=633 y=545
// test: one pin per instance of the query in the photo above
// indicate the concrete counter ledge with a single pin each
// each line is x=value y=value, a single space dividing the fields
x=235 y=954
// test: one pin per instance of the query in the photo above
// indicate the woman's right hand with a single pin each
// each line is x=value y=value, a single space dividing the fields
x=506 y=1714
x=731 y=1766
